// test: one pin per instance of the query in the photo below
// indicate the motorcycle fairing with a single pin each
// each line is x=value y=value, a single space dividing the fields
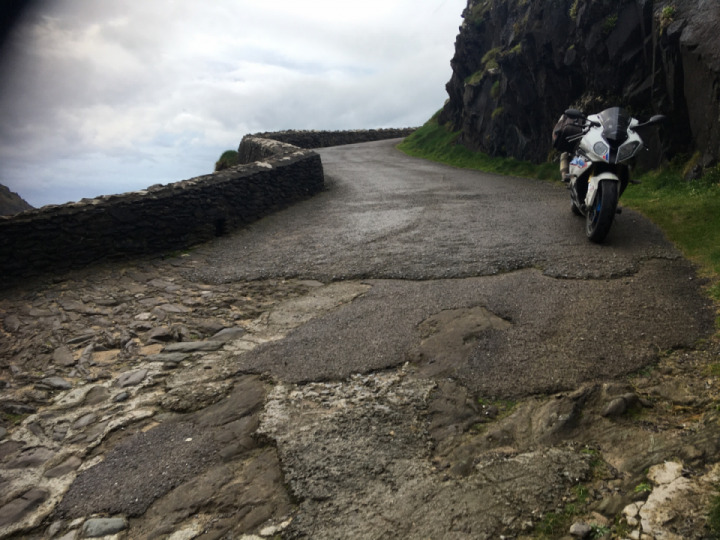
x=615 y=123
x=593 y=183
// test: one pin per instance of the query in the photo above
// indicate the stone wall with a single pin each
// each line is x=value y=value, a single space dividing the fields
x=158 y=219
x=323 y=139
x=168 y=217
x=257 y=148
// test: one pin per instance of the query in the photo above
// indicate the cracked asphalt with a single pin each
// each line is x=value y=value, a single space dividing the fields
x=431 y=238
x=381 y=330
x=386 y=215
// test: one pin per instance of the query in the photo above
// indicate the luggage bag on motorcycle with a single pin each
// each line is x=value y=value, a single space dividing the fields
x=565 y=129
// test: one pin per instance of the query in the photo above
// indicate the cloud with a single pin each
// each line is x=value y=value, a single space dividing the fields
x=114 y=96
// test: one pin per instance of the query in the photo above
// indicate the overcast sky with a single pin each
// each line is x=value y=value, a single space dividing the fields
x=103 y=97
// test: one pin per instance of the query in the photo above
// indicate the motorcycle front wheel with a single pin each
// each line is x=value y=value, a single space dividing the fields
x=600 y=215
x=575 y=209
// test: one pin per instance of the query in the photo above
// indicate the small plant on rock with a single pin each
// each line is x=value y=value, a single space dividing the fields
x=581 y=493
x=609 y=24
x=667 y=16
x=643 y=487
x=228 y=159
x=489 y=59
x=475 y=78
x=668 y=12
x=598 y=531
x=574 y=9
x=12 y=418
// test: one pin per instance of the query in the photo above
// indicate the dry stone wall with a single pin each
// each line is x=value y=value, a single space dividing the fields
x=256 y=148
x=323 y=139
x=160 y=218
x=273 y=175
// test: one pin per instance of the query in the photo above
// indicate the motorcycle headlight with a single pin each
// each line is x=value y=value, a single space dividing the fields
x=601 y=149
x=627 y=151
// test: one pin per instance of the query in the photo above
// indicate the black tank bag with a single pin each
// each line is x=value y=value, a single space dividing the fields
x=566 y=129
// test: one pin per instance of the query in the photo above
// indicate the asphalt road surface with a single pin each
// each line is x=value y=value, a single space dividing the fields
x=417 y=290
x=447 y=252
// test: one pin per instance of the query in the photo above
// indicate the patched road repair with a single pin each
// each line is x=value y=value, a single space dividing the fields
x=417 y=352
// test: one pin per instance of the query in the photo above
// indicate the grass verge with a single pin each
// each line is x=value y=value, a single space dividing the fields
x=436 y=143
x=687 y=212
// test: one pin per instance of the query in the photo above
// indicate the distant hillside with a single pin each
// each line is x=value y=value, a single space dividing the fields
x=518 y=65
x=11 y=203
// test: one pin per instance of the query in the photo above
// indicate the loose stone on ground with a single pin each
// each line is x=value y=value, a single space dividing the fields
x=94 y=384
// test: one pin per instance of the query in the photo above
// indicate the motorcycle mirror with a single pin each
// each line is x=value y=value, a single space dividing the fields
x=574 y=114
x=657 y=119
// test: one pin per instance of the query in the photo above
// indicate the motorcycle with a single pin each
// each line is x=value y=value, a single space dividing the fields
x=597 y=150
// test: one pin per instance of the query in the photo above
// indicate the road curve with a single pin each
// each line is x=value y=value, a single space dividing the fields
x=448 y=252
x=387 y=215
x=343 y=403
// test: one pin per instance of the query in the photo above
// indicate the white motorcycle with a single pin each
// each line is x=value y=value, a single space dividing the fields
x=596 y=151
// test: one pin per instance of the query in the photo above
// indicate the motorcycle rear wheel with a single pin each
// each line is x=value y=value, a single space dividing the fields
x=601 y=214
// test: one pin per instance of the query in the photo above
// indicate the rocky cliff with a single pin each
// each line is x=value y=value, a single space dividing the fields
x=11 y=203
x=519 y=63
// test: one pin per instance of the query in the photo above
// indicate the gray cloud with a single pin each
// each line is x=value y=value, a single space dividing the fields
x=106 y=97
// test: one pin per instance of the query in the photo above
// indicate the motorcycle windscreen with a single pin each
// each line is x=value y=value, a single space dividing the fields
x=615 y=122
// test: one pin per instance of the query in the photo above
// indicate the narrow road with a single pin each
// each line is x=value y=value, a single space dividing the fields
x=433 y=239
x=386 y=215
x=417 y=352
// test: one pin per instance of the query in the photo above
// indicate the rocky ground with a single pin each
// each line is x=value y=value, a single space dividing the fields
x=123 y=415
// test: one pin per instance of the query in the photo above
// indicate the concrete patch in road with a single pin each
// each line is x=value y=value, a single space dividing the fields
x=555 y=335
x=450 y=337
x=297 y=311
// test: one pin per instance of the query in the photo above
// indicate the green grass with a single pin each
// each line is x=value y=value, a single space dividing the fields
x=229 y=158
x=687 y=212
x=12 y=418
x=667 y=16
x=643 y=487
x=497 y=112
x=475 y=78
x=556 y=523
x=713 y=369
x=714 y=516
x=437 y=143
x=609 y=24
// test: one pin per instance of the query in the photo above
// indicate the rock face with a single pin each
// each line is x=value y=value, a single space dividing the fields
x=11 y=203
x=518 y=65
